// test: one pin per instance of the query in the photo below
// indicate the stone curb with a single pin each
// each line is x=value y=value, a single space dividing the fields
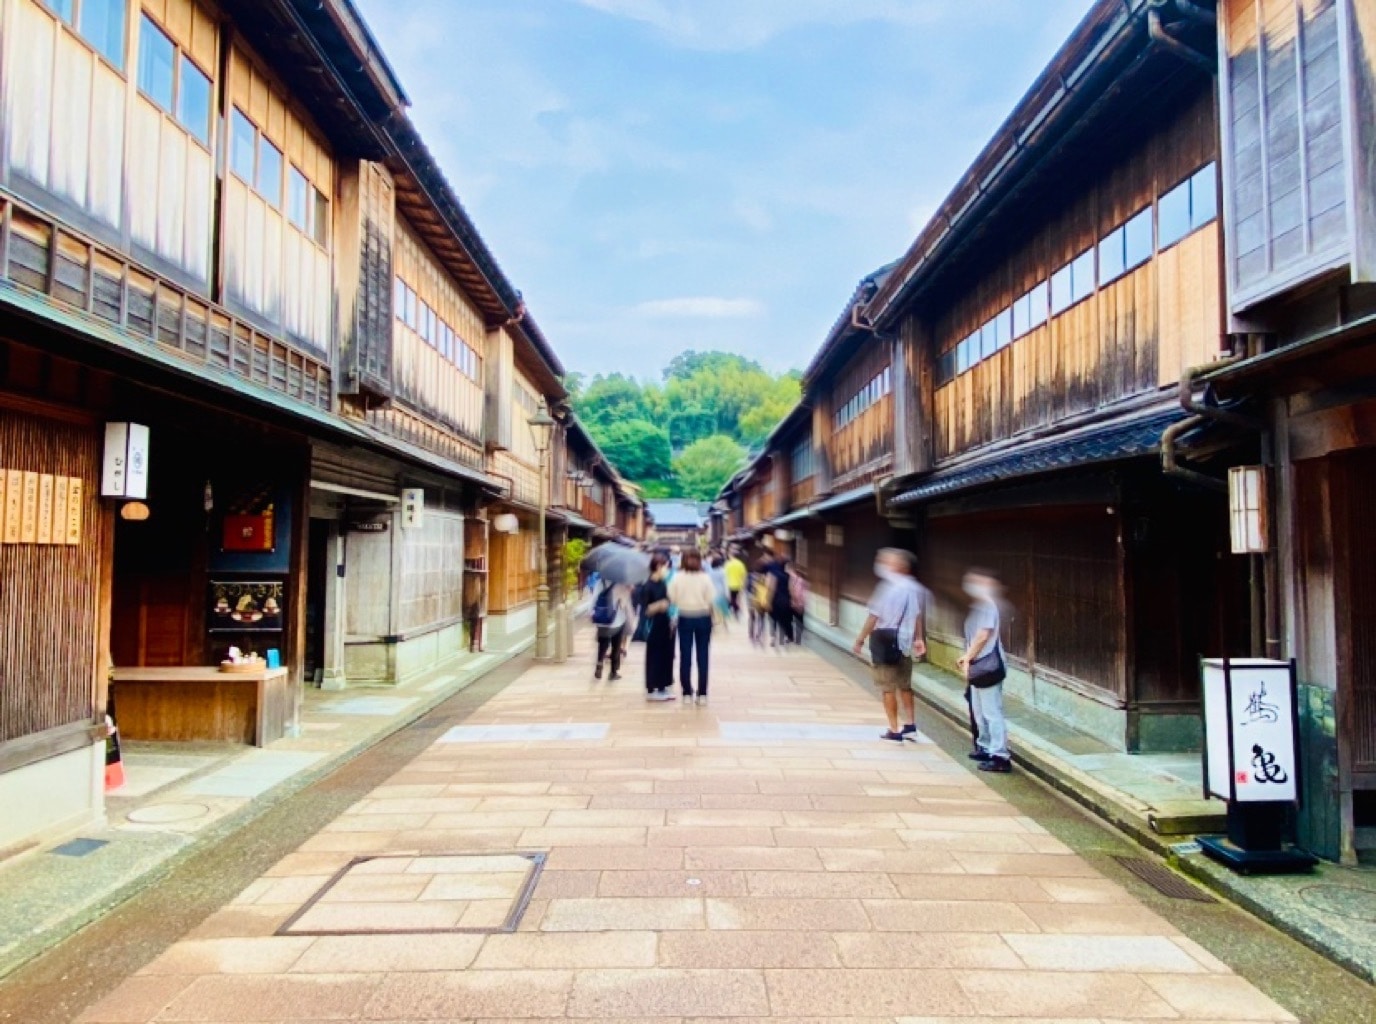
x=46 y=937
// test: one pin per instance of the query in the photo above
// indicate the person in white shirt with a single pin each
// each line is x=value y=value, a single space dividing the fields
x=897 y=620
x=693 y=594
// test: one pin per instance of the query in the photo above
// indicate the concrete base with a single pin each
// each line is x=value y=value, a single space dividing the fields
x=49 y=800
x=511 y=623
x=383 y=663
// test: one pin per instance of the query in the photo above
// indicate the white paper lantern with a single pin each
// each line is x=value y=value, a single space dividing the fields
x=506 y=523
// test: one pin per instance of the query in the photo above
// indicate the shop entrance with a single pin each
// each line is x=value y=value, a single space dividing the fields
x=1356 y=478
x=317 y=596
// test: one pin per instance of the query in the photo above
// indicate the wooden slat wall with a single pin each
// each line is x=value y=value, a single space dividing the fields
x=1133 y=335
x=857 y=452
x=424 y=378
x=49 y=594
x=514 y=565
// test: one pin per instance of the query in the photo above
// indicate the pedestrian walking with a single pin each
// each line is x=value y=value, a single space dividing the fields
x=759 y=599
x=612 y=614
x=780 y=604
x=896 y=632
x=797 y=596
x=658 y=632
x=984 y=669
x=737 y=575
x=691 y=592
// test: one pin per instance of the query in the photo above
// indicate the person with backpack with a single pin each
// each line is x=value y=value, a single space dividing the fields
x=611 y=613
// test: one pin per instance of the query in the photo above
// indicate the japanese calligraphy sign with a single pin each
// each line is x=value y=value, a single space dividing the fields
x=1249 y=729
x=39 y=508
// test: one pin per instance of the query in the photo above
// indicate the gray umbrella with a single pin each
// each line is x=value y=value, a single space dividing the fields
x=617 y=564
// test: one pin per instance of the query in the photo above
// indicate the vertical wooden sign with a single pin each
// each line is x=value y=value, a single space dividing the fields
x=14 y=504
x=76 y=491
x=44 y=527
x=28 y=513
x=58 y=517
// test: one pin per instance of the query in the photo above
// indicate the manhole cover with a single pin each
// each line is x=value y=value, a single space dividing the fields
x=1343 y=900
x=167 y=814
x=478 y=893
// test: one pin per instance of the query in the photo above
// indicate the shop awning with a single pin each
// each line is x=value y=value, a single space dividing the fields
x=793 y=517
x=855 y=494
x=1110 y=442
x=576 y=521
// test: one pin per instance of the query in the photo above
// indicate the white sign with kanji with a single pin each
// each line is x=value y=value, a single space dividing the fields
x=1249 y=727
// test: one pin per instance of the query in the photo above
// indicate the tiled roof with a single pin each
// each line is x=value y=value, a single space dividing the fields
x=1113 y=442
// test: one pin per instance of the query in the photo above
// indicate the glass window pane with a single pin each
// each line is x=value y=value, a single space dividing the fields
x=269 y=171
x=1203 y=196
x=988 y=340
x=102 y=25
x=63 y=9
x=193 y=102
x=1061 y=294
x=1173 y=214
x=320 y=220
x=1082 y=275
x=1003 y=328
x=243 y=143
x=157 y=64
x=1111 y=256
x=1038 y=302
x=399 y=301
x=1137 y=239
x=298 y=191
x=1021 y=317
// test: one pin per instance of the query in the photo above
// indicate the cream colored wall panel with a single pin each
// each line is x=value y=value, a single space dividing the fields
x=199 y=212
x=171 y=198
x=71 y=119
x=254 y=252
x=204 y=39
x=235 y=241
x=29 y=88
x=272 y=260
x=105 y=193
x=145 y=130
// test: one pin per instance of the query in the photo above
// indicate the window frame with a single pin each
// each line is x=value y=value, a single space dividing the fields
x=151 y=32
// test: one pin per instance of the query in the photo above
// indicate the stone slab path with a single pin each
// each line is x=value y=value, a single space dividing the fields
x=573 y=852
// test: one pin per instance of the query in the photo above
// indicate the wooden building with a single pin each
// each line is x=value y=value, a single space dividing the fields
x=1002 y=396
x=675 y=523
x=218 y=223
x=1298 y=102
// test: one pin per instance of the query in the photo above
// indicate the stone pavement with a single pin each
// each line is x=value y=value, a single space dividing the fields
x=180 y=797
x=764 y=857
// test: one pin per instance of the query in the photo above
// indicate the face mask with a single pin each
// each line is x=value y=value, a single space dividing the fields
x=979 y=591
x=886 y=574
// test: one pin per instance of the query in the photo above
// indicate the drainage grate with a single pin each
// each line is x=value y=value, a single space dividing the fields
x=1164 y=880
x=79 y=847
x=389 y=894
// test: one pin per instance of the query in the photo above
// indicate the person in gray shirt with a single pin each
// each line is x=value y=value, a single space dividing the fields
x=986 y=702
x=899 y=604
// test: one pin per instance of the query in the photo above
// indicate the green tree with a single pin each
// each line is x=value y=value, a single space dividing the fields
x=609 y=399
x=706 y=465
x=637 y=448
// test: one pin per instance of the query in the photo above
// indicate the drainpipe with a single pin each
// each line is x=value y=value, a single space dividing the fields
x=1200 y=414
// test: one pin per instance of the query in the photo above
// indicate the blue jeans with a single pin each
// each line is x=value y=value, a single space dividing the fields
x=694 y=631
x=987 y=705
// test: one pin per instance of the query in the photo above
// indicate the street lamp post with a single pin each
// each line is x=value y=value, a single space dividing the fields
x=541 y=428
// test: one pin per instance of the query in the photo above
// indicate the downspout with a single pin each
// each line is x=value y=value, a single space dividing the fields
x=1199 y=415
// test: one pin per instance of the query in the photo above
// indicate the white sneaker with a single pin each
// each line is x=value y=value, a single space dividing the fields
x=702 y=700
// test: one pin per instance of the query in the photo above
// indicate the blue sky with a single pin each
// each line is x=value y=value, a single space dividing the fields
x=657 y=175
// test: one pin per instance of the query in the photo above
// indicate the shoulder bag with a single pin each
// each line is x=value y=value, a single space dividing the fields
x=884 y=649
x=988 y=669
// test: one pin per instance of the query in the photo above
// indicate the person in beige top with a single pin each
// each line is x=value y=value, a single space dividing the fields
x=694 y=594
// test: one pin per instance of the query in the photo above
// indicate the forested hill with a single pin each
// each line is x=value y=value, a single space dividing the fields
x=686 y=436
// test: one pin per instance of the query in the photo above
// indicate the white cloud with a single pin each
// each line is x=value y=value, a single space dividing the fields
x=703 y=307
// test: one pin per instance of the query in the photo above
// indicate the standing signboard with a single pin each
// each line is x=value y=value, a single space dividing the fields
x=1251 y=747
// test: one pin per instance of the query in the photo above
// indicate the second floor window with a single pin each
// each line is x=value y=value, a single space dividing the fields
x=1189 y=206
x=802 y=461
x=254 y=159
x=99 y=22
x=172 y=81
x=307 y=208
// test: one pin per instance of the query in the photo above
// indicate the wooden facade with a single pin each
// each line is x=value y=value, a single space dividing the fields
x=216 y=220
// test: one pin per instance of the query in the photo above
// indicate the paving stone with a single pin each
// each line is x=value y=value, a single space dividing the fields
x=669 y=992
x=867 y=992
x=570 y=950
x=365 y=954
x=791 y=949
x=470 y=994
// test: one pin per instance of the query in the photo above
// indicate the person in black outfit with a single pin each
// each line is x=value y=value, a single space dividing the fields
x=780 y=603
x=659 y=642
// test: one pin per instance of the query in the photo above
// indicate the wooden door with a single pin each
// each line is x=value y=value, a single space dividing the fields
x=1358 y=491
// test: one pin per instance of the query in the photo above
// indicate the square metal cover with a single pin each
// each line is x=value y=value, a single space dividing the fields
x=394 y=894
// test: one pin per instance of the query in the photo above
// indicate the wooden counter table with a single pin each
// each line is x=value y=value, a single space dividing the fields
x=199 y=703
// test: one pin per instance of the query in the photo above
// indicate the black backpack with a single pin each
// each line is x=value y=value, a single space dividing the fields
x=603 y=609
